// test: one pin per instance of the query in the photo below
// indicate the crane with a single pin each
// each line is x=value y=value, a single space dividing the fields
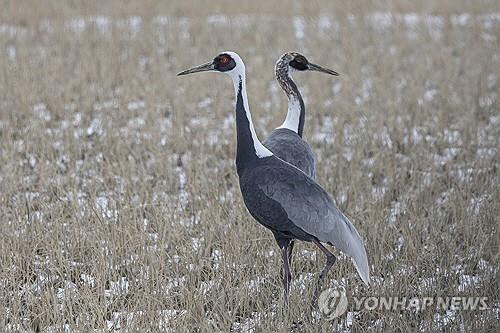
x=286 y=141
x=280 y=196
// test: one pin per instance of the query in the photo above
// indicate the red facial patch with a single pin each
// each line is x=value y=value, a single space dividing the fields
x=224 y=60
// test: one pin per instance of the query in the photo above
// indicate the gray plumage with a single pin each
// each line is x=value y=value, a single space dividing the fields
x=288 y=146
x=292 y=204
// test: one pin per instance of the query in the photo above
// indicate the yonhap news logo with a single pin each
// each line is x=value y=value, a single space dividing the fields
x=333 y=303
x=399 y=303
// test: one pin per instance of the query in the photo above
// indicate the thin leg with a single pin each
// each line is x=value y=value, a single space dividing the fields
x=287 y=277
x=290 y=249
x=330 y=260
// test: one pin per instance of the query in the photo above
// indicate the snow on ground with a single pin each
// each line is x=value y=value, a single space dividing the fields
x=413 y=24
x=380 y=22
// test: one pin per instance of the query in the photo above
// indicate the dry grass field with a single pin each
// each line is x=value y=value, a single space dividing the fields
x=120 y=207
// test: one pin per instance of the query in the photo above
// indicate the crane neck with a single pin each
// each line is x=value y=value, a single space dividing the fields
x=295 y=116
x=248 y=145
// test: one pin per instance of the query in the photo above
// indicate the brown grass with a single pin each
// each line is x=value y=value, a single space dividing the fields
x=109 y=171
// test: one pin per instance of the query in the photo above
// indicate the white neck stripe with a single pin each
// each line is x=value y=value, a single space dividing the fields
x=260 y=150
x=293 y=115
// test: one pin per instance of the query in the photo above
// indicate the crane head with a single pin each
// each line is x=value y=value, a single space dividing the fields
x=297 y=62
x=226 y=62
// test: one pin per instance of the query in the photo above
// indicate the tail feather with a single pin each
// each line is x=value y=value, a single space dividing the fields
x=346 y=238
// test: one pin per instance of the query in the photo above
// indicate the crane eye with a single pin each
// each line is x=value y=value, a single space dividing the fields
x=224 y=60
x=299 y=63
x=300 y=59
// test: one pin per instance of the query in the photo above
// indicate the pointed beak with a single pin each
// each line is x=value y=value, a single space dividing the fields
x=209 y=66
x=313 y=67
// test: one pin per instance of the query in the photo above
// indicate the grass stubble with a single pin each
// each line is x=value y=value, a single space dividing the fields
x=120 y=207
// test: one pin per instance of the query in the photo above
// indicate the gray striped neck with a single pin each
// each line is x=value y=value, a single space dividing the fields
x=295 y=116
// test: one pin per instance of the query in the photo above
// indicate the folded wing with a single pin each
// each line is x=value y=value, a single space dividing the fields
x=310 y=208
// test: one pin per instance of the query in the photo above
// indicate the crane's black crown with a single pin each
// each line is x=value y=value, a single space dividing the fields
x=299 y=62
x=224 y=62
x=296 y=61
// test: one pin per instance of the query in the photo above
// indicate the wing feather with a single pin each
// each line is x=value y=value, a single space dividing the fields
x=310 y=208
x=290 y=147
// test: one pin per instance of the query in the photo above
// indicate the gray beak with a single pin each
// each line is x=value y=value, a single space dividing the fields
x=313 y=67
x=201 y=68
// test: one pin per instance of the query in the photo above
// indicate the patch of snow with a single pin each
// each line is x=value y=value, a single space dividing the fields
x=400 y=242
x=429 y=94
x=299 y=26
x=175 y=283
x=378 y=192
x=102 y=23
x=135 y=105
x=396 y=210
x=379 y=21
x=205 y=103
x=42 y=112
x=303 y=281
x=69 y=288
x=447 y=155
x=119 y=287
x=435 y=24
x=196 y=243
x=89 y=280
x=491 y=80
x=77 y=24
x=467 y=281
x=217 y=255
x=411 y=20
x=453 y=137
x=349 y=135
x=206 y=286
x=136 y=123
x=336 y=88
x=366 y=90
x=477 y=203
x=103 y=203
x=99 y=106
x=486 y=267
x=386 y=137
x=427 y=284
x=135 y=23
x=254 y=285
x=11 y=52
x=309 y=255
x=218 y=20
x=268 y=253
x=95 y=127
x=348 y=153
x=324 y=23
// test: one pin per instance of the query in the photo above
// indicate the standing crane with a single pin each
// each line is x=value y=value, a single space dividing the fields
x=286 y=140
x=280 y=196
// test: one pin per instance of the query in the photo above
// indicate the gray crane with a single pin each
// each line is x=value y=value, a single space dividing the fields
x=286 y=141
x=280 y=196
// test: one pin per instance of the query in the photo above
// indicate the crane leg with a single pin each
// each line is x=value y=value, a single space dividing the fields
x=286 y=275
x=290 y=249
x=330 y=260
